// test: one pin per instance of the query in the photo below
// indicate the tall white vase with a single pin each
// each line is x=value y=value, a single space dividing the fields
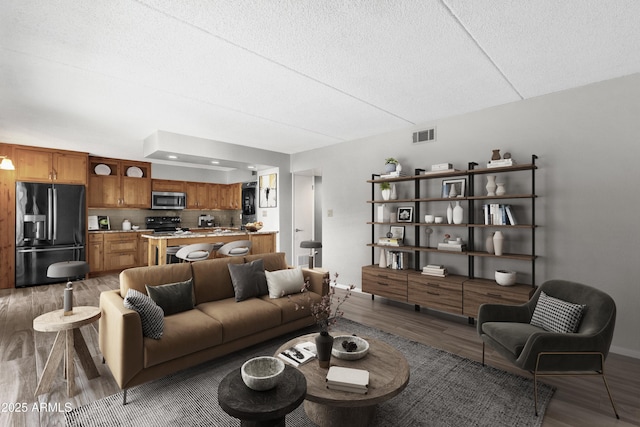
x=498 y=240
x=489 y=244
x=449 y=214
x=491 y=185
x=383 y=259
x=457 y=213
x=394 y=194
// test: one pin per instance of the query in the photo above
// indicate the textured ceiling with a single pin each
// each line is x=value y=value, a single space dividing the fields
x=289 y=76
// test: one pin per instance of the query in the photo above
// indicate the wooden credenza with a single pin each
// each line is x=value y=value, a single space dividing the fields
x=452 y=294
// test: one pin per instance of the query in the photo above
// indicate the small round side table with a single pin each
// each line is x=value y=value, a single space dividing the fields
x=262 y=408
x=69 y=341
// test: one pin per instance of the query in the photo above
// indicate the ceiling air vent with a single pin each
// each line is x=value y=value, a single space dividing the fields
x=424 y=135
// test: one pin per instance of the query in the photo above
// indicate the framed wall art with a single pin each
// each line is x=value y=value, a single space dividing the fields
x=268 y=187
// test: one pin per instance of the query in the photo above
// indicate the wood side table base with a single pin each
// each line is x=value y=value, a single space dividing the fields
x=69 y=342
x=336 y=416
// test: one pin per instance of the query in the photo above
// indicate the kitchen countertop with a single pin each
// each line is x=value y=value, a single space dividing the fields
x=191 y=234
x=120 y=231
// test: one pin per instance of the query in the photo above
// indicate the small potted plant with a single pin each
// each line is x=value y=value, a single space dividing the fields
x=385 y=188
x=390 y=165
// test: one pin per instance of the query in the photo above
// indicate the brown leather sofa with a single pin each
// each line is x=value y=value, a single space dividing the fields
x=216 y=326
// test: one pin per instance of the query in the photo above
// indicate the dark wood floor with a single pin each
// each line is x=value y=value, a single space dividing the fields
x=23 y=352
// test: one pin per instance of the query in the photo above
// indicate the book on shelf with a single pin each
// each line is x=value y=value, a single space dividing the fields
x=299 y=354
x=394 y=174
x=441 y=167
x=398 y=260
x=435 y=270
x=500 y=163
x=452 y=247
x=351 y=378
x=498 y=214
x=389 y=241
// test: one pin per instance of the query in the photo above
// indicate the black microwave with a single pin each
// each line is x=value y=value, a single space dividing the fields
x=168 y=200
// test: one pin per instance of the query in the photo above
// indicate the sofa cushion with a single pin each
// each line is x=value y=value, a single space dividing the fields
x=211 y=279
x=510 y=335
x=184 y=333
x=240 y=319
x=136 y=278
x=248 y=279
x=284 y=282
x=555 y=315
x=295 y=306
x=272 y=261
x=172 y=297
x=151 y=315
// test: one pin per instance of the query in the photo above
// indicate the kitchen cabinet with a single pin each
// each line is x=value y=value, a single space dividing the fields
x=143 y=250
x=197 y=195
x=230 y=196
x=120 y=250
x=115 y=183
x=96 y=252
x=43 y=165
x=7 y=222
x=168 y=185
x=214 y=196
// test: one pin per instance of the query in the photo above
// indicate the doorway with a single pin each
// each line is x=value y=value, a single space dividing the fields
x=307 y=216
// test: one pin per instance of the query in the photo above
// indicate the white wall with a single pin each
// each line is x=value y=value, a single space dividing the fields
x=587 y=143
x=270 y=217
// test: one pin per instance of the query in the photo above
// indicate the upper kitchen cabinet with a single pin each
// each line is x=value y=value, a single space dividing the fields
x=230 y=196
x=43 y=165
x=115 y=183
x=168 y=185
x=197 y=195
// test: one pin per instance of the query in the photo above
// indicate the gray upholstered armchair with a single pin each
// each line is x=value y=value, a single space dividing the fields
x=507 y=329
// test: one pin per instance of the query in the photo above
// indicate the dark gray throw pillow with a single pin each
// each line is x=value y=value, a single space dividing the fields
x=174 y=297
x=248 y=279
x=151 y=314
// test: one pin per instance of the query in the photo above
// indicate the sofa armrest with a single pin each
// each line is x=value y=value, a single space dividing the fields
x=120 y=337
x=318 y=280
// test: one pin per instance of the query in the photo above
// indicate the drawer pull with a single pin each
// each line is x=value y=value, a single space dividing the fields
x=382 y=284
x=494 y=295
x=435 y=285
x=433 y=293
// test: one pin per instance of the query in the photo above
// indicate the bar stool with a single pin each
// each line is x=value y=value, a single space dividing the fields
x=195 y=252
x=312 y=245
x=171 y=251
x=236 y=248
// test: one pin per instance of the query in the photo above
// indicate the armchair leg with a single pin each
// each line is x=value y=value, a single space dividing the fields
x=606 y=385
x=482 y=353
x=124 y=397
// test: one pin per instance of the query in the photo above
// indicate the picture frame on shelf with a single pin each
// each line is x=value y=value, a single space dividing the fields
x=397 y=232
x=458 y=185
x=405 y=214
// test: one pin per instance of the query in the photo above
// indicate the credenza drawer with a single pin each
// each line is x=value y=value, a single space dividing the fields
x=482 y=291
x=438 y=293
x=384 y=283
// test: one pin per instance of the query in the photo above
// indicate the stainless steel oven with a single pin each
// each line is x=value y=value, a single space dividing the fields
x=168 y=200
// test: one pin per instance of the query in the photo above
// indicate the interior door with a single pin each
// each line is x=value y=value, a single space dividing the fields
x=303 y=216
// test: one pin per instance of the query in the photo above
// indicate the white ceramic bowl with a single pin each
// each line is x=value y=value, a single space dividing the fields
x=262 y=373
x=135 y=227
x=505 y=277
x=339 y=352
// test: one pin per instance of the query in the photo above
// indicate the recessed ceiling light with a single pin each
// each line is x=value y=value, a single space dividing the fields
x=171 y=156
x=215 y=162
x=251 y=167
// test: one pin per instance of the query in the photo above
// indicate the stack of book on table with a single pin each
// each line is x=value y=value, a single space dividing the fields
x=299 y=354
x=435 y=270
x=348 y=379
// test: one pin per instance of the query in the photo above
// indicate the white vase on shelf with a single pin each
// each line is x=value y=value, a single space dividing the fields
x=449 y=214
x=383 y=259
x=394 y=194
x=453 y=192
x=489 y=244
x=498 y=240
x=491 y=185
x=386 y=193
x=458 y=213
x=500 y=190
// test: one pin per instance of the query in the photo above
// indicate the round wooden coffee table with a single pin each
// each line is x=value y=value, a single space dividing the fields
x=388 y=376
x=261 y=408
x=68 y=341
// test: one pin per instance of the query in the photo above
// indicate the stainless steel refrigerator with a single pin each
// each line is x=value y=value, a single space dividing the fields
x=50 y=227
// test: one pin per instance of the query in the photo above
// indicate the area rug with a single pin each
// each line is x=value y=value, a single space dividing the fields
x=444 y=390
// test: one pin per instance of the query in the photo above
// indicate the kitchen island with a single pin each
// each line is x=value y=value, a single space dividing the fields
x=262 y=241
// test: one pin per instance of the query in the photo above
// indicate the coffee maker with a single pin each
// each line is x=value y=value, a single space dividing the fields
x=205 y=221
